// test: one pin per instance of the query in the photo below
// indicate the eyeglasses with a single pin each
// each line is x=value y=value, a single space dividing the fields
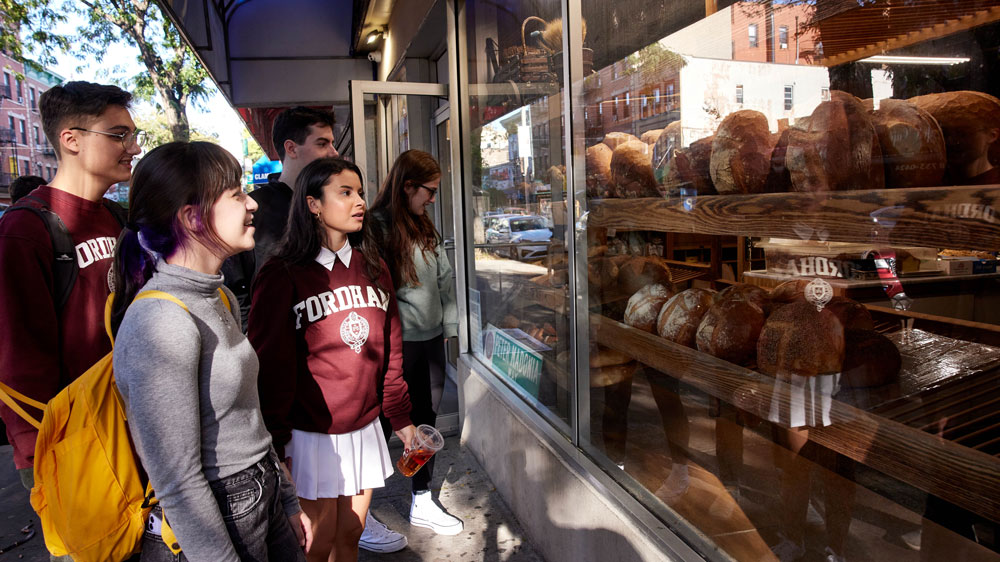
x=137 y=136
x=432 y=190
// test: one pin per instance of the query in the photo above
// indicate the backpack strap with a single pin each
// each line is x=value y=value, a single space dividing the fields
x=117 y=211
x=8 y=396
x=64 y=267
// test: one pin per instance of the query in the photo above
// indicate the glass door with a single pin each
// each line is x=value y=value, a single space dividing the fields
x=388 y=119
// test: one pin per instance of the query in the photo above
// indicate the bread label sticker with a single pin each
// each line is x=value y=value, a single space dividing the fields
x=818 y=293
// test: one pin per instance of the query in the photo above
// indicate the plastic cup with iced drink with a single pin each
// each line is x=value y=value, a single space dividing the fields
x=426 y=442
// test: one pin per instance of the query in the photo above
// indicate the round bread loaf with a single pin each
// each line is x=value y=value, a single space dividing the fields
x=650 y=137
x=741 y=153
x=913 y=149
x=790 y=291
x=614 y=140
x=631 y=171
x=644 y=306
x=962 y=115
x=666 y=145
x=680 y=317
x=638 y=271
x=870 y=359
x=778 y=178
x=838 y=150
x=613 y=374
x=729 y=330
x=598 y=164
x=689 y=168
x=800 y=340
x=852 y=314
x=746 y=292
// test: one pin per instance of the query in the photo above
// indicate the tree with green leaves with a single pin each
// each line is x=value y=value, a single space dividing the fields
x=28 y=24
x=172 y=77
x=158 y=130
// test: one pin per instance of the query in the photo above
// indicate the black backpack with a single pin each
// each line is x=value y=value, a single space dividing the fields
x=64 y=267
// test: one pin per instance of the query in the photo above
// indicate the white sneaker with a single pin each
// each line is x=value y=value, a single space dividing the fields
x=788 y=551
x=378 y=538
x=425 y=513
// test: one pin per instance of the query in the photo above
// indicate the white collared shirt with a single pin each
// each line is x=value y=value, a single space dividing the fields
x=328 y=258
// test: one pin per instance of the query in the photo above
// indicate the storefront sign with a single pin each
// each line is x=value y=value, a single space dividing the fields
x=510 y=352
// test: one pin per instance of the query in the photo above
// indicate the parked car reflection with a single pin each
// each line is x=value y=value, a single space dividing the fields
x=517 y=230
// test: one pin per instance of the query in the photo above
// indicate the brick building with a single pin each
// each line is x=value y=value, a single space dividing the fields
x=23 y=146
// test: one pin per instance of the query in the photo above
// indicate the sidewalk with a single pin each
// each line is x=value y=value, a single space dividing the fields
x=491 y=533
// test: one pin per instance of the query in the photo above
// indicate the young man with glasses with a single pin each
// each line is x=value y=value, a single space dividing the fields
x=46 y=343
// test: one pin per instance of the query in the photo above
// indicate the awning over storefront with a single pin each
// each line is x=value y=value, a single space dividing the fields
x=276 y=52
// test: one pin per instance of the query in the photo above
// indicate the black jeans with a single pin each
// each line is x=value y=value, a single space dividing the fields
x=424 y=372
x=256 y=521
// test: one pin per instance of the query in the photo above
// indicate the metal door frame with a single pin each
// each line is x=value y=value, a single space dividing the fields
x=360 y=88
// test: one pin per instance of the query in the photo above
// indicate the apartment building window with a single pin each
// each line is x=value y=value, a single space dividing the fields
x=824 y=94
x=10 y=123
x=39 y=167
x=24 y=132
x=739 y=93
x=788 y=98
x=6 y=87
x=670 y=96
x=20 y=92
x=752 y=31
x=626 y=112
x=656 y=97
x=783 y=37
x=38 y=137
x=34 y=99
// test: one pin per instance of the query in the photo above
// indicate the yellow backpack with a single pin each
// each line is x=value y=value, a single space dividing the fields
x=88 y=491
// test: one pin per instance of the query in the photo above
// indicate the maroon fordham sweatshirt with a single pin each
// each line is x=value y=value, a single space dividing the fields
x=42 y=351
x=325 y=340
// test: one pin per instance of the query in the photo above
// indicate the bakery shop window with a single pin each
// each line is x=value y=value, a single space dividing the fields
x=518 y=282
x=794 y=330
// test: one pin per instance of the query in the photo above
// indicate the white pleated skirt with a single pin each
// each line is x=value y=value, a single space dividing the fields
x=328 y=466
x=803 y=401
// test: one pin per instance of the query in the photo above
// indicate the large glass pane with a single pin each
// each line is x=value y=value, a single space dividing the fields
x=791 y=246
x=518 y=283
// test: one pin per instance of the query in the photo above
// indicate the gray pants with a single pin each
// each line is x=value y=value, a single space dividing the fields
x=28 y=481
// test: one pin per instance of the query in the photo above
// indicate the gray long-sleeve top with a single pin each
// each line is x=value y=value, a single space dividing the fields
x=189 y=382
x=429 y=309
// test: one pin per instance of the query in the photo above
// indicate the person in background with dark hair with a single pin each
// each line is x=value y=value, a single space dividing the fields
x=300 y=135
x=23 y=185
x=326 y=329
x=426 y=294
x=44 y=348
x=188 y=377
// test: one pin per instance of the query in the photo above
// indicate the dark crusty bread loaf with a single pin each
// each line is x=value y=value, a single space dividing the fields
x=870 y=359
x=912 y=143
x=631 y=171
x=729 y=330
x=799 y=339
x=741 y=153
x=838 y=150
x=680 y=317
x=962 y=114
x=616 y=139
x=598 y=163
x=689 y=168
x=644 y=306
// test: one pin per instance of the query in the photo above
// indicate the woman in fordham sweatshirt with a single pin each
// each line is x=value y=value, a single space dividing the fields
x=425 y=289
x=188 y=377
x=325 y=325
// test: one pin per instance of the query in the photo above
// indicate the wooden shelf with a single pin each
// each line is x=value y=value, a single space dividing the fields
x=937 y=217
x=963 y=476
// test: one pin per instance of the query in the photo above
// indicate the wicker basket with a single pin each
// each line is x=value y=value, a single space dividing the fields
x=522 y=63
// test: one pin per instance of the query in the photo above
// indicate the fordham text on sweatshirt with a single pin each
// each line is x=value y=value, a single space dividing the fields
x=43 y=349
x=327 y=338
x=189 y=382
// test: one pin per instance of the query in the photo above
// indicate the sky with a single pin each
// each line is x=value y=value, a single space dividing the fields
x=215 y=115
